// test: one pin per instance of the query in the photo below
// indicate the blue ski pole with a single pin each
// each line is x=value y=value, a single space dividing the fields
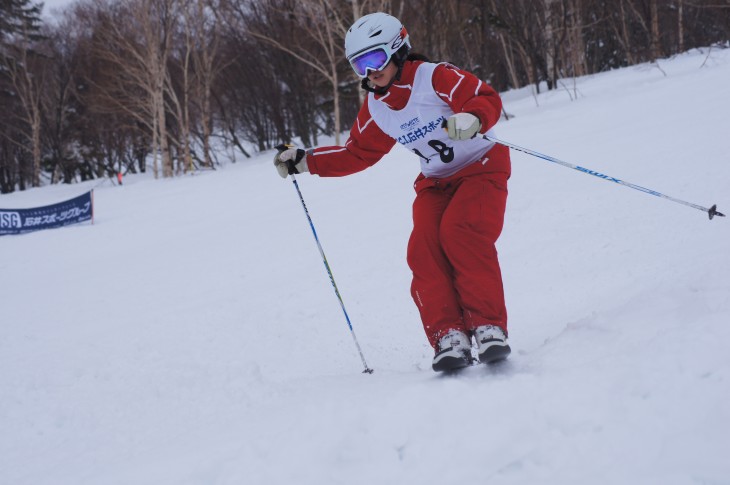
x=367 y=370
x=712 y=211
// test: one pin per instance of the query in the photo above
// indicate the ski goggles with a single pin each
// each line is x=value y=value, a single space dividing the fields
x=374 y=59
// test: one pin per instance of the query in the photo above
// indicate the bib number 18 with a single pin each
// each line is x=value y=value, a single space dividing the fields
x=445 y=152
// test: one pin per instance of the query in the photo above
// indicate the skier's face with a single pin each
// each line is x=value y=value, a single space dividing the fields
x=382 y=78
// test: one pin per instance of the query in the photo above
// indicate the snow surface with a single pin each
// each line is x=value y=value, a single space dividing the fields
x=191 y=335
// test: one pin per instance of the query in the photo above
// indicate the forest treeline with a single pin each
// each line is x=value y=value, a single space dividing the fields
x=172 y=86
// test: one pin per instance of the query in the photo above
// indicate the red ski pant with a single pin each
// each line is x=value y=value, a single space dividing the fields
x=457 y=282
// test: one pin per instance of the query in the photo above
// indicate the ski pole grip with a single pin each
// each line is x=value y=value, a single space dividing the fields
x=290 y=164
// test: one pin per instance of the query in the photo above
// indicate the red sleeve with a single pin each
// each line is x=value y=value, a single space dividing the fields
x=465 y=93
x=365 y=147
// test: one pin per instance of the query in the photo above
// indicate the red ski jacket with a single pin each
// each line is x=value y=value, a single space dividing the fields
x=367 y=144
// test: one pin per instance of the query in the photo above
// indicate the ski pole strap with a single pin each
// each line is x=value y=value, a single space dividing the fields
x=711 y=212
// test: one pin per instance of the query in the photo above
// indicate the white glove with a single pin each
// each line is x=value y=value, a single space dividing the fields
x=463 y=126
x=290 y=160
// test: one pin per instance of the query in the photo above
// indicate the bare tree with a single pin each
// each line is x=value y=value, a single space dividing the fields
x=22 y=71
x=321 y=23
x=27 y=70
x=203 y=29
x=57 y=110
x=135 y=42
x=655 y=45
x=551 y=43
x=680 y=25
x=126 y=80
x=576 y=44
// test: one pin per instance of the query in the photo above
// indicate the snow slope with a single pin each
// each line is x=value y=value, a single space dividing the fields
x=191 y=335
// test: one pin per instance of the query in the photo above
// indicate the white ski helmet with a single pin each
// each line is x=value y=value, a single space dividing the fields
x=373 y=40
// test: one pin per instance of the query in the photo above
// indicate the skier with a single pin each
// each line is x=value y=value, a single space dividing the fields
x=438 y=112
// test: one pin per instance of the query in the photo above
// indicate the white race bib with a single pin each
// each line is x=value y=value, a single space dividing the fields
x=418 y=127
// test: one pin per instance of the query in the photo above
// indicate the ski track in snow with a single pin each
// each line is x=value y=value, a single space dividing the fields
x=191 y=335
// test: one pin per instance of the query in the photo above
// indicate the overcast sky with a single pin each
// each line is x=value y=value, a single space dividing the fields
x=50 y=5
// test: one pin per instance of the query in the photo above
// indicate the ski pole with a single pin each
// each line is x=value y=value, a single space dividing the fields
x=712 y=211
x=367 y=370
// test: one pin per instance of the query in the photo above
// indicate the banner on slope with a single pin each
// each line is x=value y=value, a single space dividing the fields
x=18 y=221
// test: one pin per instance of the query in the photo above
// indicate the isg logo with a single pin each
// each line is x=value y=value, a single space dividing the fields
x=10 y=220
